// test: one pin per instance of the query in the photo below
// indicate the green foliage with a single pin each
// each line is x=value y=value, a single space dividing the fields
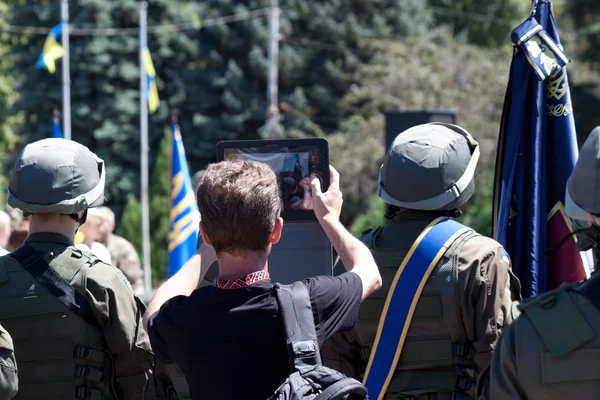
x=372 y=218
x=159 y=208
x=131 y=223
x=105 y=80
x=357 y=153
x=486 y=23
x=433 y=72
x=215 y=76
x=8 y=138
x=478 y=210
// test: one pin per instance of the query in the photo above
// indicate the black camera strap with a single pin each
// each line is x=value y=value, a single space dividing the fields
x=37 y=266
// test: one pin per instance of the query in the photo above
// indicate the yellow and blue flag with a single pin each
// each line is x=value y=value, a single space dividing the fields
x=151 y=89
x=53 y=50
x=184 y=217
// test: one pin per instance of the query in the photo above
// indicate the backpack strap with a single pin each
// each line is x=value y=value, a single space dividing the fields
x=402 y=299
x=36 y=265
x=299 y=325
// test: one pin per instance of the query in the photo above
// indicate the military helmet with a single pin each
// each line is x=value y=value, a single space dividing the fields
x=582 y=197
x=429 y=167
x=56 y=176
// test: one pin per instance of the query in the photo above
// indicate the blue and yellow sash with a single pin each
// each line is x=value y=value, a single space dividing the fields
x=400 y=304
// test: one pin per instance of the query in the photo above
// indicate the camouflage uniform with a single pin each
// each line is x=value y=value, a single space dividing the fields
x=61 y=354
x=125 y=257
x=466 y=301
x=550 y=350
x=9 y=381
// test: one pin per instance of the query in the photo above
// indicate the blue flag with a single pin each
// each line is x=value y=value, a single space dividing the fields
x=537 y=150
x=184 y=217
x=56 y=132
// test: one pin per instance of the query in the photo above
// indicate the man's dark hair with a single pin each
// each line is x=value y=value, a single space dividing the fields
x=239 y=203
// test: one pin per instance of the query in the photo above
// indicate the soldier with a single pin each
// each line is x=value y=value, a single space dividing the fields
x=549 y=352
x=122 y=253
x=74 y=319
x=428 y=173
x=9 y=380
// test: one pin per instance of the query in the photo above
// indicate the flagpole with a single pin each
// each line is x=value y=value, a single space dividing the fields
x=64 y=11
x=273 y=74
x=144 y=150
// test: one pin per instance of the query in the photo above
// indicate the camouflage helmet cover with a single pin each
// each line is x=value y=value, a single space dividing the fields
x=429 y=167
x=56 y=176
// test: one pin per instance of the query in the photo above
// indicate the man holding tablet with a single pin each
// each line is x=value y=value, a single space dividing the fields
x=228 y=338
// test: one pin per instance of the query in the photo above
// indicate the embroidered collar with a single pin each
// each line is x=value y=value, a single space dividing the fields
x=231 y=284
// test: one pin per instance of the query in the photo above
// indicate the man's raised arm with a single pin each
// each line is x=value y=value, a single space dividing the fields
x=354 y=254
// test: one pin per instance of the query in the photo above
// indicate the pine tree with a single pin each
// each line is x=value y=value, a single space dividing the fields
x=105 y=80
x=159 y=208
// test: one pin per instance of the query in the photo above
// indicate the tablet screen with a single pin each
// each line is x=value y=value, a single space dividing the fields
x=294 y=167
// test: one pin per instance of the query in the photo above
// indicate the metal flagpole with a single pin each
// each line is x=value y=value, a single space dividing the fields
x=144 y=149
x=66 y=74
x=272 y=89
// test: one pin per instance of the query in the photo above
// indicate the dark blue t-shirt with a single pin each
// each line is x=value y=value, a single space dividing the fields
x=230 y=343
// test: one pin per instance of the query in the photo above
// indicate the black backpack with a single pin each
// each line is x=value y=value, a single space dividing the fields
x=309 y=380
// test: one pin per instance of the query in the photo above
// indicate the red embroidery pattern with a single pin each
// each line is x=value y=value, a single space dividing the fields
x=232 y=284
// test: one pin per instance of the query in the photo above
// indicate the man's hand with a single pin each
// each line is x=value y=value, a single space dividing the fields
x=356 y=256
x=327 y=205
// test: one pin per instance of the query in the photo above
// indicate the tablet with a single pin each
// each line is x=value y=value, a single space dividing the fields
x=295 y=163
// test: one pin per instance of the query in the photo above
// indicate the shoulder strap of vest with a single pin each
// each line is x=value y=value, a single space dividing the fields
x=299 y=325
x=369 y=236
x=400 y=304
x=36 y=265
x=560 y=337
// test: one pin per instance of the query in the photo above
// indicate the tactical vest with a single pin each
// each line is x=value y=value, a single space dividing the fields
x=567 y=358
x=437 y=358
x=60 y=356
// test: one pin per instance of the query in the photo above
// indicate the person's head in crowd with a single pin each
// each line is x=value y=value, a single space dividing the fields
x=4 y=229
x=56 y=181
x=240 y=206
x=429 y=167
x=93 y=229
x=582 y=197
x=106 y=222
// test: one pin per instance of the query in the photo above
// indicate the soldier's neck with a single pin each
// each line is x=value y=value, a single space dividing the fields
x=55 y=223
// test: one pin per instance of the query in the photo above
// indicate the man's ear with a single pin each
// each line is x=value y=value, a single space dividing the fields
x=277 y=229
x=205 y=238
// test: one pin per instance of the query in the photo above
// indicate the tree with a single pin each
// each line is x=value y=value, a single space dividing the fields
x=215 y=76
x=131 y=222
x=105 y=80
x=434 y=71
x=8 y=138
x=486 y=23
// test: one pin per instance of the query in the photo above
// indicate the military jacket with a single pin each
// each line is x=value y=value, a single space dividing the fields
x=550 y=352
x=464 y=306
x=9 y=380
x=61 y=356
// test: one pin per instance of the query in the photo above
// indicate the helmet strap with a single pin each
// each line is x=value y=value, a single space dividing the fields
x=81 y=220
